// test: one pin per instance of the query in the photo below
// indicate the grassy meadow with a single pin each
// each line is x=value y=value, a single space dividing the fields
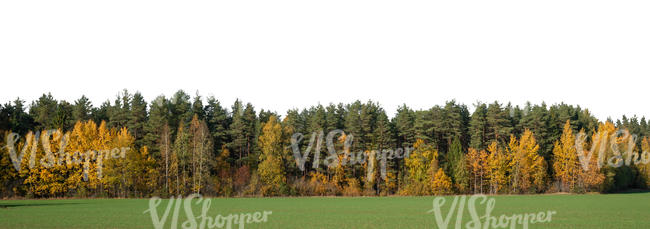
x=630 y=210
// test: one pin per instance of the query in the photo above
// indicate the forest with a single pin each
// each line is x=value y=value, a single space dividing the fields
x=181 y=144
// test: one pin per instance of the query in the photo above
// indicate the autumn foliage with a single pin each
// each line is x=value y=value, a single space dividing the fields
x=178 y=146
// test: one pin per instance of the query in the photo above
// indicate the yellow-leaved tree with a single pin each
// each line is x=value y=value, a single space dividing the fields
x=84 y=139
x=143 y=174
x=499 y=166
x=421 y=164
x=30 y=170
x=271 y=169
x=478 y=166
x=591 y=177
x=566 y=166
x=8 y=173
x=441 y=183
x=644 y=166
x=529 y=170
x=603 y=178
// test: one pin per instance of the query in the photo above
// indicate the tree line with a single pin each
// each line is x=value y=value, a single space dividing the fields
x=183 y=144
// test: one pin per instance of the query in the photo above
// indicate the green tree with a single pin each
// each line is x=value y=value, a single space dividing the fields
x=41 y=110
x=218 y=121
x=479 y=127
x=81 y=109
x=498 y=123
x=138 y=119
x=404 y=122
x=14 y=118
x=457 y=166
x=118 y=114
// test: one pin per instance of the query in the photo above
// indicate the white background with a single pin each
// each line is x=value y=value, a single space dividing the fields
x=285 y=54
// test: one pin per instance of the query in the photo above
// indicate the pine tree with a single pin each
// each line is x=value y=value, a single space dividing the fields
x=158 y=118
x=242 y=132
x=101 y=113
x=383 y=141
x=42 y=110
x=197 y=107
x=218 y=122
x=424 y=126
x=537 y=119
x=81 y=109
x=334 y=117
x=118 y=114
x=353 y=125
x=404 y=122
x=194 y=147
x=498 y=123
x=250 y=134
x=318 y=119
x=14 y=118
x=180 y=110
x=454 y=124
x=138 y=119
x=479 y=127
x=63 y=117
x=515 y=116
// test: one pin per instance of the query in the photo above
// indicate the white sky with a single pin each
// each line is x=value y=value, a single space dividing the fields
x=284 y=54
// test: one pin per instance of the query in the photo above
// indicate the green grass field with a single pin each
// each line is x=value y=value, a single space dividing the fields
x=573 y=211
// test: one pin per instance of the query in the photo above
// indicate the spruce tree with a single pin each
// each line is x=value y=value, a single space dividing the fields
x=138 y=119
x=251 y=125
x=479 y=127
x=498 y=123
x=14 y=118
x=197 y=107
x=118 y=113
x=237 y=132
x=404 y=122
x=181 y=109
x=157 y=120
x=63 y=117
x=218 y=121
x=41 y=110
x=100 y=113
x=81 y=109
